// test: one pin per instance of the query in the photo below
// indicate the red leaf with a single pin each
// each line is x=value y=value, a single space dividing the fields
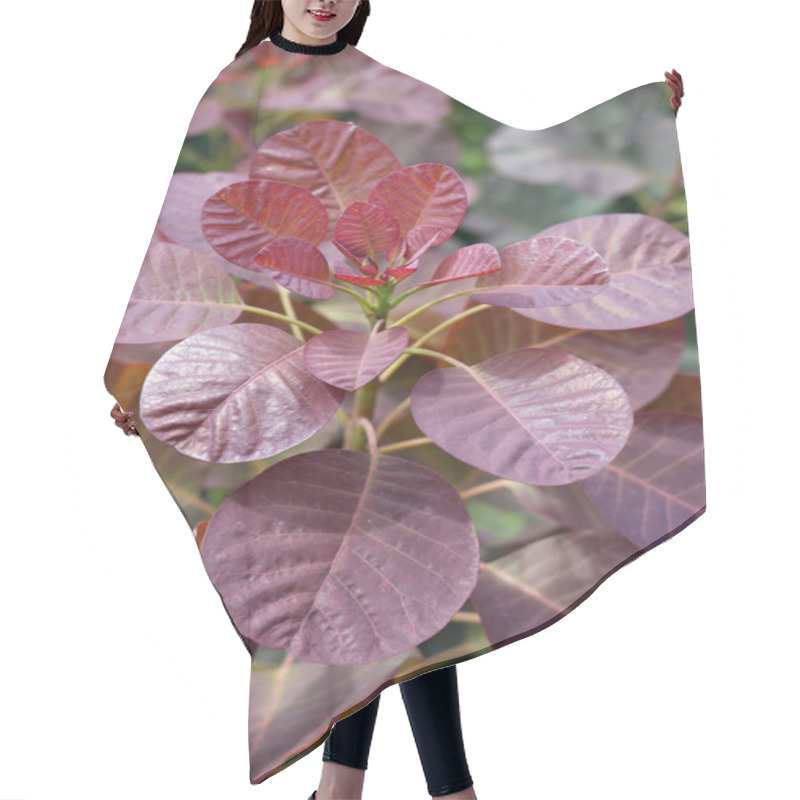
x=466 y=262
x=423 y=194
x=297 y=265
x=244 y=217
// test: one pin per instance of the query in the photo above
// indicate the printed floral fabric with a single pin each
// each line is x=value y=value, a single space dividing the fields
x=419 y=381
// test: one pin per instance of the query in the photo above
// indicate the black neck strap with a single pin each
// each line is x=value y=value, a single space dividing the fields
x=311 y=49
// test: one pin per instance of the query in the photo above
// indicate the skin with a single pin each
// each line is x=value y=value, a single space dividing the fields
x=301 y=27
x=338 y=782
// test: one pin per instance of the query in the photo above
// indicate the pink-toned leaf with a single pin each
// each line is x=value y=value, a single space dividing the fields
x=543 y=271
x=339 y=557
x=651 y=279
x=345 y=268
x=423 y=194
x=368 y=268
x=298 y=265
x=418 y=240
x=466 y=262
x=364 y=263
x=350 y=359
x=179 y=221
x=657 y=482
x=244 y=217
x=534 y=585
x=366 y=230
x=235 y=393
x=358 y=280
x=178 y=293
x=400 y=272
x=337 y=162
x=643 y=360
x=538 y=416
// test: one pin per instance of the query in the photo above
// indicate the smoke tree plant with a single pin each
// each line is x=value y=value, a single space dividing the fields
x=328 y=534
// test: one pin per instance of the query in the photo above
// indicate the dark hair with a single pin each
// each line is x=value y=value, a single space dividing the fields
x=266 y=18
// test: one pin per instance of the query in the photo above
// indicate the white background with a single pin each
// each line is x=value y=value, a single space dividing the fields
x=121 y=676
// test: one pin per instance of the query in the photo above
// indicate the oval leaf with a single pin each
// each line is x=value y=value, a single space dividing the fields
x=235 y=393
x=350 y=359
x=244 y=217
x=544 y=271
x=416 y=243
x=538 y=416
x=337 y=162
x=466 y=262
x=651 y=277
x=423 y=194
x=298 y=265
x=643 y=360
x=339 y=557
x=366 y=230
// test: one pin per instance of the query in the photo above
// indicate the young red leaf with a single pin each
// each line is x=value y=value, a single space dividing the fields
x=297 y=265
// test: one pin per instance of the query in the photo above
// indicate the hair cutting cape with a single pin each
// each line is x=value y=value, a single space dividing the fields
x=419 y=381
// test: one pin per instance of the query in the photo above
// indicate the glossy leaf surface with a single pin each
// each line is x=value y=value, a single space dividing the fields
x=236 y=393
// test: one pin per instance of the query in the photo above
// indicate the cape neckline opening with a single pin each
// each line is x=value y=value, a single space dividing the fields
x=312 y=49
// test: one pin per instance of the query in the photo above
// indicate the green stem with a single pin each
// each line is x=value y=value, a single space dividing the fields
x=288 y=307
x=419 y=442
x=482 y=488
x=561 y=337
x=466 y=616
x=412 y=314
x=389 y=371
x=423 y=351
x=275 y=315
x=362 y=301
